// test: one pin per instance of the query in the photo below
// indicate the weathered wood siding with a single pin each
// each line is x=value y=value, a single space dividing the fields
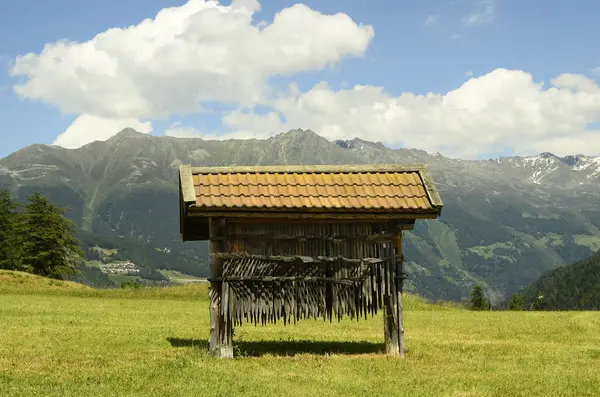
x=290 y=271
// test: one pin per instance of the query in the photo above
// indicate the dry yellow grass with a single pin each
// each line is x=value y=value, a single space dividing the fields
x=12 y=281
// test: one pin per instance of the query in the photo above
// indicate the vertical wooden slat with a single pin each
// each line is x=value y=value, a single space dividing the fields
x=400 y=286
x=227 y=326
x=390 y=313
x=269 y=302
x=214 y=294
x=220 y=340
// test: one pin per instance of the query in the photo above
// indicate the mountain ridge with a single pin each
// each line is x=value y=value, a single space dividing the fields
x=578 y=161
x=505 y=220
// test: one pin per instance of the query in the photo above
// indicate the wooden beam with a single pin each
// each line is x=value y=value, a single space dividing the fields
x=407 y=224
x=393 y=311
x=310 y=216
x=390 y=319
x=374 y=238
x=273 y=279
x=432 y=192
x=306 y=220
x=214 y=298
x=295 y=258
x=221 y=331
x=196 y=228
x=181 y=211
x=187 y=184
x=399 y=290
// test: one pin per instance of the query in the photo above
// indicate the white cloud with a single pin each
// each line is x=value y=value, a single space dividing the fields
x=192 y=132
x=432 y=20
x=596 y=70
x=201 y=51
x=254 y=125
x=456 y=36
x=484 y=14
x=204 y=51
x=88 y=128
x=502 y=109
x=244 y=125
x=178 y=131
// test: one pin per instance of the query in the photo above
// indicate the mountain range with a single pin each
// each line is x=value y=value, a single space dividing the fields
x=505 y=221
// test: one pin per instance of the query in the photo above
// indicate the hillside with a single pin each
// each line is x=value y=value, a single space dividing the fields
x=11 y=281
x=505 y=221
x=573 y=287
x=153 y=342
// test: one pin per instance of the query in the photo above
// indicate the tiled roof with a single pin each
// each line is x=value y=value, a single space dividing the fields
x=350 y=188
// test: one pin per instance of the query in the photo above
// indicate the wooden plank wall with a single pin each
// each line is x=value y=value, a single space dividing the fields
x=290 y=271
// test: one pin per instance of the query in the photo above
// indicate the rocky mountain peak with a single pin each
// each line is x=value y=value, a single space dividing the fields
x=128 y=132
x=359 y=144
x=548 y=155
x=572 y=161
x=299 y=134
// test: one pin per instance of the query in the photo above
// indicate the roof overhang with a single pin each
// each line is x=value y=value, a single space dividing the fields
x=194 y=219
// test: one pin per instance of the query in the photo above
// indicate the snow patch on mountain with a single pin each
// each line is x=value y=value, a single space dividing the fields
x=545 y=165
x=588 y=164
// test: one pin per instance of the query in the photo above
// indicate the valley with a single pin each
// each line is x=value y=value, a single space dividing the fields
x=505 y=221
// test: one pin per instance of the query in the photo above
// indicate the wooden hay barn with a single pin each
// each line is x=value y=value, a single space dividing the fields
x=296 y=242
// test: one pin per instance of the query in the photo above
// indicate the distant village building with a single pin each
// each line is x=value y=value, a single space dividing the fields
x=127 y=268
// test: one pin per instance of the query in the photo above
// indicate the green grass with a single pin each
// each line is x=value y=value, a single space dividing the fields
x=66 y=340
x=592 y=242
x=550 y=240
x=487 y=251
x=118 y=279
x=11 y=281
x=181 y=278
x=106 y=252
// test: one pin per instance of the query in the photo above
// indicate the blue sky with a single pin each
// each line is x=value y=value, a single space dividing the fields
x=405 y=55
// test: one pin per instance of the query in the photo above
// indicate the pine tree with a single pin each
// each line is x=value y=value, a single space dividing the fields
x=8 y=241
x=516 y=302
x=49 y=246
x=538 y=303
x=478 y=301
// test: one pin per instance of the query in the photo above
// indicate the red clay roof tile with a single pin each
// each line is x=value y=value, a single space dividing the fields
x=398 y=191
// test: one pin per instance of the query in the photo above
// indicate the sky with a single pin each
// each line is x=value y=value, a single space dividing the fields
x=469 y=79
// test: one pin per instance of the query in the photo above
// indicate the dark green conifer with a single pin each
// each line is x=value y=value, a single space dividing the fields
x=478 y=301
x=49 y=247
x=516 y=302
x=8 y=243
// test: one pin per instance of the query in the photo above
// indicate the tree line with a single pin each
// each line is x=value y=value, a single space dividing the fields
x=36 y=237
x=478 y=301
x=571 y=287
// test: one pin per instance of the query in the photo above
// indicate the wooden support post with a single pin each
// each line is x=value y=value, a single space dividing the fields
x=390 y=323
x=399 y=290
x=221 y=336
x=393 y=327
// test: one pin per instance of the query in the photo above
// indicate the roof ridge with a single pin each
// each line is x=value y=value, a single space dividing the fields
x=312 y=169
x=314 y=195
x=313 y=184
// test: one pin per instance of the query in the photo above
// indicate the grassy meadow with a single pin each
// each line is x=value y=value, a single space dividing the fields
x=63 y=339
